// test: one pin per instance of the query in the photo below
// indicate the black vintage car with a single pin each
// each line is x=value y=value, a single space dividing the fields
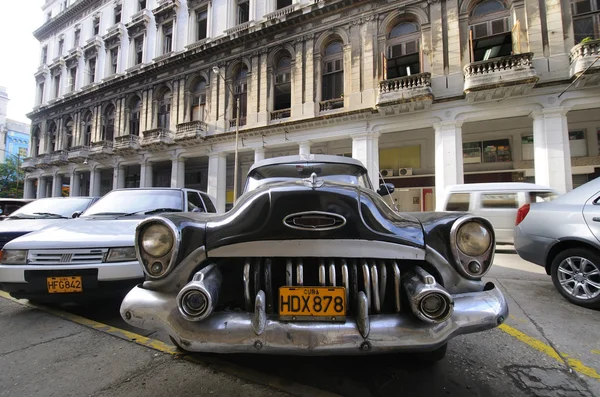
x=312 y=261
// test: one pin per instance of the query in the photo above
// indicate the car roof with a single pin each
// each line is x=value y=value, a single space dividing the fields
x=15 y=200
x=157 y=188
x=580 y=194
x=68 y=198
x=504 y=186
x=308 y=158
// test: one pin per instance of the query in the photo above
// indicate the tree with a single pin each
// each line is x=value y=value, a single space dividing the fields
x=11 y=176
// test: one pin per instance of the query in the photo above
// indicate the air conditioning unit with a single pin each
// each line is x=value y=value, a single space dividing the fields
x=405 y=171
x=387 y=172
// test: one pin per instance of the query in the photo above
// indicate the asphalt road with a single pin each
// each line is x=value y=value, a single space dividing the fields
x=547 y=347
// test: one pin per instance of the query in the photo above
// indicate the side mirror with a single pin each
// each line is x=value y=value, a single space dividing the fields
x=385 y=189
x=76 y=214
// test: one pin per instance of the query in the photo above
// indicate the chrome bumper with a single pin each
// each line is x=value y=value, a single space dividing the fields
x=242 y=332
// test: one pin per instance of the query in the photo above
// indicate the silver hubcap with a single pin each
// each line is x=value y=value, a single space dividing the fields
x=579 y=277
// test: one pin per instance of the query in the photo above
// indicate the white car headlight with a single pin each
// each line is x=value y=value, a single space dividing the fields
x=473 y=239
x=14 y=257
x=121 y=254
x=157 y=240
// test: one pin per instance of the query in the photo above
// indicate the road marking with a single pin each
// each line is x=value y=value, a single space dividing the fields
x=540 y=346
x=283 y=384
x=596 y=351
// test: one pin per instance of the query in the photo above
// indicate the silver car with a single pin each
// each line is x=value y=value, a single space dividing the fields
x=564 y=236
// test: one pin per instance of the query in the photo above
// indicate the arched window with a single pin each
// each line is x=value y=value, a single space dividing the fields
x=198 y=110
x=490 y=35
x=135 y=109
x=35 y=142
x=333 y=72
x=108 y=124
x=283 y=83
x=52 y=141
x=240 y=87
x=586 y=19
x=164 y=110
x=87 y=129
x=69 y=132
x=403 y=51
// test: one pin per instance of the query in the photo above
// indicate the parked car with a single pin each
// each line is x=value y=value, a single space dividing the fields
x=93 y=255
x=563 y=237
x=497 y=202
x=10 y=205
x=41 y=213
x=310 y=260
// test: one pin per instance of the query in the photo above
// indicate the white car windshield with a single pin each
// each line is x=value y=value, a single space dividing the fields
x=51 y=207
x=336 y=172
x=143 y=201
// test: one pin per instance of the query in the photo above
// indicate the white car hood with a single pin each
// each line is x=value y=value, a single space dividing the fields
x=28 y=225
x=80 y=233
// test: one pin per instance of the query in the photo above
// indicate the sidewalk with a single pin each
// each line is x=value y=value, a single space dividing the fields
x=44 y=355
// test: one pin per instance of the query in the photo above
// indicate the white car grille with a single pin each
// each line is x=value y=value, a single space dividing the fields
x=72 y=257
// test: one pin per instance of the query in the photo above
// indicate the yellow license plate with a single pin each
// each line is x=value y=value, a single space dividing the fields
x=62 y=285
x=312 y=303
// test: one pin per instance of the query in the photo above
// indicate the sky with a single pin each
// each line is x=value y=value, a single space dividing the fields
x=20 y=54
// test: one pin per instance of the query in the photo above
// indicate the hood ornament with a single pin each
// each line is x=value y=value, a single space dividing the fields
x=313 y=181
x=315 y=221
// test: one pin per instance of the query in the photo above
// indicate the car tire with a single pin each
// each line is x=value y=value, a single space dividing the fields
x=432 y=357
x=560 y=264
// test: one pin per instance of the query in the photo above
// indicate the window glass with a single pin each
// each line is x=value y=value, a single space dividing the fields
x=194 y=202
x=487 y=7
x=60 y=206
x=458 y=202
x=541 y=197
x=576 y=135
x=210 y=207
x=499 y=200
x=130 y=201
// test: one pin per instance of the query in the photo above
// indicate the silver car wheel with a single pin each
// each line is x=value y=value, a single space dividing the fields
x=579 y=277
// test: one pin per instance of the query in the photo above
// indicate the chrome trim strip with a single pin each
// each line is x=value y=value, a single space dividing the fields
x=300 y=273
x=317 y=213
x=362 y=314
x=375 y=284
x=332 y=273
x=288 y=273
x=367 y=282
x=319 y=248
x=381 y=267
x=157 y=311
x=322 y=281
x=268 y=286
x=246 y=278
x=397 y=285
x=346 y=282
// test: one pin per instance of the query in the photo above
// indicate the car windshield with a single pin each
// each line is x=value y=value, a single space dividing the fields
x=51 y=207
x=337 y=172
x=121 y=202
x=542 y=197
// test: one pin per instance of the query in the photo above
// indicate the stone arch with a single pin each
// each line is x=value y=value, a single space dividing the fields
x=193 y=79
x=328 y=36
x=409 y=14
x=160 y=90
x=131 y=96
x=232 y=66
x=466 y=6
x=107 y=104
x=276 y=52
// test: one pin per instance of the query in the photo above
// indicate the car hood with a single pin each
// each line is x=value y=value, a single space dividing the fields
x=28 y=225
x=80 y=233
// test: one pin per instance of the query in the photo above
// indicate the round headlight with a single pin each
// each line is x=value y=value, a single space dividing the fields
x=157 y=240
x=473 y=239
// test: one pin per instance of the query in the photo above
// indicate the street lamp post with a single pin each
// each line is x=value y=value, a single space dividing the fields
x=237 y=130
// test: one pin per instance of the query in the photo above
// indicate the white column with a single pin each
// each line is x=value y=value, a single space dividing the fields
x=552 y=153
x=448 y=157
x=217 y=167
x=178 y=172
x=146 y=174
x=120 y=179
x=259 y=154
x=304 y=148
x=41 y=187
x=28 y=189
x=74 y=184
x=57 y=185
x=365 y=147
x=95 y=181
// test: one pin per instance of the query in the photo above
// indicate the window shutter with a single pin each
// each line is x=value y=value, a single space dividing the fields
x=499 y=26
x=383 y=66
x=411 y=47
x=471 y=50
x=480 y=30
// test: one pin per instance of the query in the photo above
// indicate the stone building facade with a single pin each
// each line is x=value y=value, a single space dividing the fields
x=429 y=93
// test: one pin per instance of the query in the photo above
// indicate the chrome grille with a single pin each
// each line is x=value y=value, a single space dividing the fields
x=66 y=257
x=378 y=279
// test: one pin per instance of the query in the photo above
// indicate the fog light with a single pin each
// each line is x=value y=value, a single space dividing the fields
x=434 y=306
x=194 y=303
x=474 y=267
x=156 y=268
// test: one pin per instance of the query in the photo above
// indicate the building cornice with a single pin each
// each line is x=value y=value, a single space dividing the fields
x=65 y=17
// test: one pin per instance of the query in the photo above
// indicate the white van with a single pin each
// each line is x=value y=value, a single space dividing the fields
x=498 y=202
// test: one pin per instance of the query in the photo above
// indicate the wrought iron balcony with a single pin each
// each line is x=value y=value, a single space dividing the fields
x=101 y=150
x=331 y=104
x=281 y=114
x=59 y=157
x=191 y=132
x=406 y=93
x=28 y=164
x=582 y=57
x=500 y=77
x=78 y=154
x=127 y=144
x=157 y=138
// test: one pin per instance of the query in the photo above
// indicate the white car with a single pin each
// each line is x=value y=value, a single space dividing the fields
x=93 y=255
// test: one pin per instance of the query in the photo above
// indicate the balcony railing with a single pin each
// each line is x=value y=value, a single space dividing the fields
x=280 y=114
x=409 y=92
x=331 y=104
x=280 y=13
x=191 y=130
x=127 y=144
x=43 y=161
x=101 y=149
x=28 y=163
x=405 y=83
x=59 y=157
x=500 y=77
x=157 y=137
x=78 y=154
x=583 y=55
x=237 y=29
